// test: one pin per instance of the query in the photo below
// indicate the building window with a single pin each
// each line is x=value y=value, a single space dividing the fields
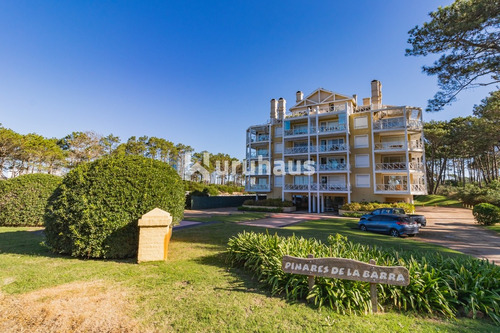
x=278 y=147
x=362 y=161
x=362 y=180
x=278 y=181
x=361 y=122
x=278 y=132
x=361 y=141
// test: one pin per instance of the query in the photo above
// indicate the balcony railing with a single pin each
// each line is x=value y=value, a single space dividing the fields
x=257 y=154
x=392 y=187
x=399 y=166
x=415 y=188
x=297 y=150
x=332 y=129
x=260 y=138
x=316 y=187
x=296 y=131
x=399 y=145
x=258 y=187
x=329 y=148
x=329 y=187
x=333 y=167
x=257 y=172
x=397 y=123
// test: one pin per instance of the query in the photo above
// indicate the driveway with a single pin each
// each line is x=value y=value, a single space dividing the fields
x=456 y=229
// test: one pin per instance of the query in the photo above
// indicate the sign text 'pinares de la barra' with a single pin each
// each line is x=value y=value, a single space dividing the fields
x=347 y=269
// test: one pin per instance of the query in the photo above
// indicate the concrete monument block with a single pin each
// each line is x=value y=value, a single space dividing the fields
x=155 y=231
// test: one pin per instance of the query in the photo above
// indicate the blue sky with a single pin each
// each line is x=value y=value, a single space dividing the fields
x=201 y=72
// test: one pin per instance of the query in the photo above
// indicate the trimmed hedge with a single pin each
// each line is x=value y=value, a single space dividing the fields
x=369 y=206
x=261 y=209
x=269 y=203
x=441 y=285
x=94 y=212
x=23 y=199
x=486 y=214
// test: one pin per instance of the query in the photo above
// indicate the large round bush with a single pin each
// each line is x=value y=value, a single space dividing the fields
x=23 y=199
x=94 y=212
x=486 y=214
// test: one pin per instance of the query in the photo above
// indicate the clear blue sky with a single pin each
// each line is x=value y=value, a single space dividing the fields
x=201 y=72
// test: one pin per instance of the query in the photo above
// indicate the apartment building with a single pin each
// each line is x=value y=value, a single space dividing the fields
x=328 y=150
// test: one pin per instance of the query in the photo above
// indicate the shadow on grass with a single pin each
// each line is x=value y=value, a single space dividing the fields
x=30 y=242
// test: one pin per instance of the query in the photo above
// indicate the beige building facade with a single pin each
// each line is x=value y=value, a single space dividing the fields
x=328 y=150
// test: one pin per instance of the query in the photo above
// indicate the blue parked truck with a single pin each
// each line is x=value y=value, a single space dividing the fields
x=420 y=219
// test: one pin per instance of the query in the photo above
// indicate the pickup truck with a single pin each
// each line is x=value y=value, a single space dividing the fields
x=420 y=219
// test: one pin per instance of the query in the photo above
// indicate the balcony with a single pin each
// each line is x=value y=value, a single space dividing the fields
x=297 y=150
x=258 y=188
x=397 y=123
x=414 y=145
x=332 y=129
x=260 y=138
x=263 y=154
x=257 y=172
x=297 y=169
x=329 y=148
x=333 y=167
x=296 y=132
x=401 y=188
x=399 y=166
x=316 y=187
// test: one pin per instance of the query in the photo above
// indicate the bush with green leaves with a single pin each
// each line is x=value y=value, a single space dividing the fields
x=23 y=199
x=94 y=212
x=261 y=209
x=486 y=214
x=442 y=285
x=369 y=206
x=269 y=203
x=472 y=194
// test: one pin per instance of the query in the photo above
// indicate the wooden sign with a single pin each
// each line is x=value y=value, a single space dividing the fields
x=347 y=269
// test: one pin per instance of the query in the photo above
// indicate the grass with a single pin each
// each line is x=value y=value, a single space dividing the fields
x=238 y=217
x=195 y=290
x=436 y=200
x=495 y=227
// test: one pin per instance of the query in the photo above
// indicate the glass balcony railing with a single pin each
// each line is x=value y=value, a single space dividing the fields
x=399 y=166
x=333 y=167
x=258 y=187
x=316 y=187
x=396 y=123
x=257 y=154
x=260 y=138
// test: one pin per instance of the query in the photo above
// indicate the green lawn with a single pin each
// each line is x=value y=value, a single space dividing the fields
x=495 y=227
x=436 y=200
x=195 y=290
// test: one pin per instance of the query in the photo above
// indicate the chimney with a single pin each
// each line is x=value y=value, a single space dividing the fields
x=355 y=97
x=299 y=95
x=366 y=101
x=376 y=93
x=274 y=109
x=281 y=108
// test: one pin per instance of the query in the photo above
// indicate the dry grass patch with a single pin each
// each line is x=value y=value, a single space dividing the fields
x=73 y=307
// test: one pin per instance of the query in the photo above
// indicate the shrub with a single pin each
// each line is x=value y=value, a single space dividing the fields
x=486 y=214
x=437 y=284
x=369 y=206
x=94 y=212
x=23 y=199
x=268 y=203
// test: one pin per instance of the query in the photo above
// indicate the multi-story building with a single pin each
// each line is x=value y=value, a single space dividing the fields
x=327 y=150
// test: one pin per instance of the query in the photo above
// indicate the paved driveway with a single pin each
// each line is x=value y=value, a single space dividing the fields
x=456 y=229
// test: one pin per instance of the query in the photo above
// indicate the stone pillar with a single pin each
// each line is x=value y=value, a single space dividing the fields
x=155 y=231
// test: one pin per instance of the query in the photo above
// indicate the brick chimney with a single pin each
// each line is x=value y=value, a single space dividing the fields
x=274 y=109
x=299 y=95
x=281 y=108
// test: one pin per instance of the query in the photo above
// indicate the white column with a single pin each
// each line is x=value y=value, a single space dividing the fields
x=313 y=199
x=322 y=203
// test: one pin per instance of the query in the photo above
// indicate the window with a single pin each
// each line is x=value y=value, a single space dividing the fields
x=361 y=141
x=278 y=181
x=278 y=132
x=300 y=180
x=361 y=122
x=362 y=161
x=362 y=180
x=278 y=147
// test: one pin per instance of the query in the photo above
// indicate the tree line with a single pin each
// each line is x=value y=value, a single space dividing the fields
x=33 y=153
x=465 y=149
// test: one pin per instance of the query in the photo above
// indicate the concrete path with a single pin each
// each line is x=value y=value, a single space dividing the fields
x=456 y=229
x=280 y=220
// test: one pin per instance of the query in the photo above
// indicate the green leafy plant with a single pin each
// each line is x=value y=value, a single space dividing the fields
x=369 y=206
x=486 y=214
x=448 y=286
x=23 y=199
x=269 y=203
x=94 y=212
